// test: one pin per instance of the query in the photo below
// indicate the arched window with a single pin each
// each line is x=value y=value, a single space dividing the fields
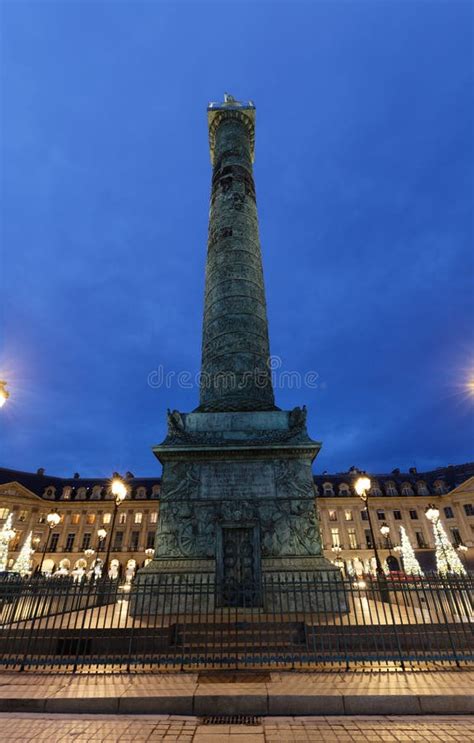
x=141 y=492
x=96 y=492
x=422 y=488
x=50 y=492
x=407 y=489
x=440 y=487
x=155 y=491
x=328 y=489
x=375 y=489
x=67 y=492
x=390 y=488
x=344 y=489
x=81 y=494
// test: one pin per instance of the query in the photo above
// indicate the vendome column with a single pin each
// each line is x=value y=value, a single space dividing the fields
x=237 y=500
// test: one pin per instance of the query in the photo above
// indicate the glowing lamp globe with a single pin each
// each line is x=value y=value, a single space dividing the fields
x=432 y=513
x=119 y=489
x=362 y=485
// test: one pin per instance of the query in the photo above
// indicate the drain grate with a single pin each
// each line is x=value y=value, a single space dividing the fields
x=231 y=720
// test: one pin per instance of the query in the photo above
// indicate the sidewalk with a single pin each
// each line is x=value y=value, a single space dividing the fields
x=280 y=693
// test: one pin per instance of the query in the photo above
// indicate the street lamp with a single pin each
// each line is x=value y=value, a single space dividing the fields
x=385 y=531
x=119 y=491
x=4 y=393
x=362 y=485
x=53 y=520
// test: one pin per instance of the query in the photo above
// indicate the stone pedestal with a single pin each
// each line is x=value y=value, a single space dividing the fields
x=237 y=504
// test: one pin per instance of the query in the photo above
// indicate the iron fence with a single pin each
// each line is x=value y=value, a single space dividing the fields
x=178 y=622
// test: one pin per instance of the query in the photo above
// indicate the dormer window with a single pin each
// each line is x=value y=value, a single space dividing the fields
x=50 y=492
x=407 y=489
x=141 y=493
x=422 y=488
x=96 y=492
x=155 y=491
x=390 y=488
x=328 y=489
x=344 y=489
x=440 y=487
x=67 y=492
x=81 y=494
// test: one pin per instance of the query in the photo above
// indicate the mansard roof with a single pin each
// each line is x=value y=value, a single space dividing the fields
x=38 y=482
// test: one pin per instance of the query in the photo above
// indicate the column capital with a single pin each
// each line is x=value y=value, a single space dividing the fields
x=231 y=108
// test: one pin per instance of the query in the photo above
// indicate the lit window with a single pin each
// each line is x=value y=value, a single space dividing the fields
x=106 y=518
x=138 y=517
x=22 y=515
x=348 y=516
x=335 y=537
x=123 y=518
x=3 y=513
x=153 y=517
x=332 y=515
x=75 y=518
x=90 y=519
x=67 y=492
x=351 y=533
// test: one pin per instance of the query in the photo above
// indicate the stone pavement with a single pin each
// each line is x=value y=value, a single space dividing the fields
x=125 y=729
x=213 y=693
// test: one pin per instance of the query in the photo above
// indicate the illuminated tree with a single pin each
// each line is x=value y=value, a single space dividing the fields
x=6 y=534
x=411 y=565
x=447 y=559
x=23 y=561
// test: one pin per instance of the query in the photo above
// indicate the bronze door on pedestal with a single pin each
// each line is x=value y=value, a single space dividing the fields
x=239 y=585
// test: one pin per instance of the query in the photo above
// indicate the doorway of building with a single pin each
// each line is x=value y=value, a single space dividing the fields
x=240 y=567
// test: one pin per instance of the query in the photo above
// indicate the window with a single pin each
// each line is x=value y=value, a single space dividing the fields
x=422 y=489
x=363 y=515
x=375 y=490
x=368 y=539
x=335 y=537
x=42 y=518
x=106 y=518
x=138 y=517
x=67 y=492
x=123 y=518
x=390 y=489
x=407 y=489
x=420 y=540
x=134 y=537
x=141 y=493
x=468 y=509
x=381 y=515
x=327 y=489
x=49 y=492
x=22 y=515
x=456 y=537
x=448 y=512
x=150 y=540
x=90 y=519
x=69 y=542
x=75 y=518
x=96 y=492
x=348 y=515
x=81 y=494
x=118 y=541
x=344 y=490
x=351 y=533
x=413 y=514
x=86 y=541
x=53 y=545
x=332 y=515
x=439 y=487
x=3 y=513
x=397 y=515
x=153 y=517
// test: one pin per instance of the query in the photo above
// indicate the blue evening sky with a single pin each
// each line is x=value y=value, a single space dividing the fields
x=364 y=175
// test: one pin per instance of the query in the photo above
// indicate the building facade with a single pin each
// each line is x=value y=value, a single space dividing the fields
x=86 y=506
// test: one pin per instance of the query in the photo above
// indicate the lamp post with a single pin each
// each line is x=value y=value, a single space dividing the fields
x=53 y=520
x=4 y=393
x=385 y=532
x=119 y=491
x=102 y=533
x=362 y=485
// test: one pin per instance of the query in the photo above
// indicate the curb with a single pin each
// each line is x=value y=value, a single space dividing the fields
x=249 y=704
